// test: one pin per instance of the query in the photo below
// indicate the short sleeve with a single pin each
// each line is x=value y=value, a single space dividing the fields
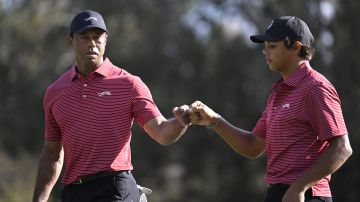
x=260 y=127
x=52 y=130
x=323 y=109
x=143 y=106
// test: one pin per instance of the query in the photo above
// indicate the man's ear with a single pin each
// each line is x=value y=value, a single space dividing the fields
x=69 y=40
x=106 y=37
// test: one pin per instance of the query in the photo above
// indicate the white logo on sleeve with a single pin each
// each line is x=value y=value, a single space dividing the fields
x=104 y=93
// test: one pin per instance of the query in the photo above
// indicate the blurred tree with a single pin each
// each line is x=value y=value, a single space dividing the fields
x=30 y=54
x=344 y=71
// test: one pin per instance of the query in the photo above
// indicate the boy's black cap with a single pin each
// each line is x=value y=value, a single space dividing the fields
x=283 y=27
x=85 y=20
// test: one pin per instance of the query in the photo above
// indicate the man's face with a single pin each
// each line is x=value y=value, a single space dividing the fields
x=89 y=47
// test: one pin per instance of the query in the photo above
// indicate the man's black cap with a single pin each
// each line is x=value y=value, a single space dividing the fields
x=283 y=27
x=85 y=20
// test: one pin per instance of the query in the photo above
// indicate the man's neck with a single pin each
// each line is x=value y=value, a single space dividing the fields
x=87 y=68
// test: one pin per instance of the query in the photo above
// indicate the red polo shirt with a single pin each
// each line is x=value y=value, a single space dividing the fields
x=302 y=114
x=92 y=118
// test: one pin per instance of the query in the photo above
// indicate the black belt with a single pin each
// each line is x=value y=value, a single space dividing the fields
x=278 y=185
x=91 y=177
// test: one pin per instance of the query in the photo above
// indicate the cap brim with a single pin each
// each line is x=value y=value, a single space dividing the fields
x=263 y=38
x=83 y=29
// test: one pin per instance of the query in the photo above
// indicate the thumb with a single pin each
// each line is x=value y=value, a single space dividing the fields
x=178 y=110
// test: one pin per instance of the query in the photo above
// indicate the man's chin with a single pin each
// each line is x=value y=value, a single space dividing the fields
x=94 y=61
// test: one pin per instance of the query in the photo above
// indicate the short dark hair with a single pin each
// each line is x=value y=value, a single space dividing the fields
x=306 y=52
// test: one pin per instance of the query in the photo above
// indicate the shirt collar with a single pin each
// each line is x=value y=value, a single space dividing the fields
x=295 y=78
x=104 y=69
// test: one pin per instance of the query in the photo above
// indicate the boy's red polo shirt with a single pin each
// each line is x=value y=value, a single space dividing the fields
x=301 y=115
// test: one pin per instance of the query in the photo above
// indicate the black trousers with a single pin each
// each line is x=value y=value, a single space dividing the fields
x=120 y=187
x=276 y=192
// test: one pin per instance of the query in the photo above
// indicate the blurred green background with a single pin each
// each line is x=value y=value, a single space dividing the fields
x=183 y=50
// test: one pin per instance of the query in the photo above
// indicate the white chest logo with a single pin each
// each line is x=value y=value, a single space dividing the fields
x=104 y=93
x=286 y=106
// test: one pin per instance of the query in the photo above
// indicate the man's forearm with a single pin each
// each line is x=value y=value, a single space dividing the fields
x=48 y=173
x=171 y=130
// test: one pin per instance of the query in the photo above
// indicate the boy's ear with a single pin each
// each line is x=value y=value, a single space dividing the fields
x=297 y=45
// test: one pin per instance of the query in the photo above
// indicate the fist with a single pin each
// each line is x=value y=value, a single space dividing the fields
x=182 y=115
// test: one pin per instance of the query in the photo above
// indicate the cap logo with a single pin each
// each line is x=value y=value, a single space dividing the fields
x=271 y=24
x=91 y=18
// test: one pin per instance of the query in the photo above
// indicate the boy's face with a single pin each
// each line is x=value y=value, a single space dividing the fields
x=277 y=56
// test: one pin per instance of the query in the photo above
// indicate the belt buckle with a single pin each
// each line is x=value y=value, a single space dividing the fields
x=79 y=181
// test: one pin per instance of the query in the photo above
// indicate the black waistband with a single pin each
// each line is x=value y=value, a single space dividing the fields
x=278 y=185
x=91 y=177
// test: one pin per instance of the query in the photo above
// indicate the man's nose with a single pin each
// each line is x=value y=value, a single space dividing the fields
x=91 y=41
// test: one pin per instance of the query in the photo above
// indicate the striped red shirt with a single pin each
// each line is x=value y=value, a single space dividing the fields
x=93 y=117
x=302 y=113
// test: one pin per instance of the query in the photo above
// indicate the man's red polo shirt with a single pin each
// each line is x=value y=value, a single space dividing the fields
x=302 y=114
x=92 y=118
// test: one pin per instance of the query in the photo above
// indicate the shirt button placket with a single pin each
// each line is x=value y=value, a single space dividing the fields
x=84 y=95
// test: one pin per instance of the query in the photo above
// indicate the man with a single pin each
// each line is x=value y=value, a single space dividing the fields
x=89 y=112
x=302 y=129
